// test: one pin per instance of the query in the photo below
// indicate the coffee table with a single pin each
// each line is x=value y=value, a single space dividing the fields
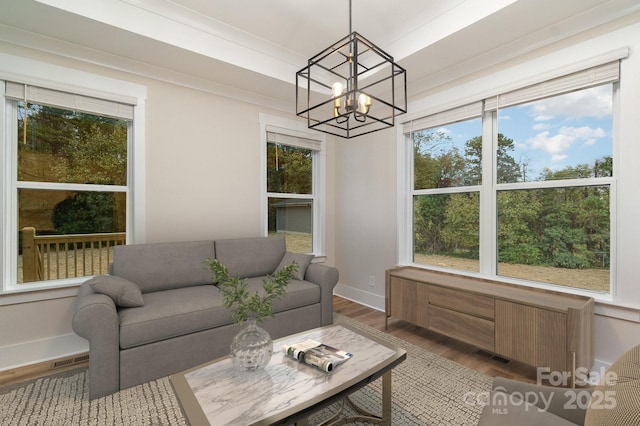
x=287 y=391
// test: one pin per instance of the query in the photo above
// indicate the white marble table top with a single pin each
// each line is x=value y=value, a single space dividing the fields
x=218 y=394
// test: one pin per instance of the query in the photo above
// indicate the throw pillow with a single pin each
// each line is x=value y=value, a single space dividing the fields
x=124 y=293
x=302 y=260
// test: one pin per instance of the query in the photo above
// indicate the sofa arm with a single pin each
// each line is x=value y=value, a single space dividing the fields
x=570 y=404
x=96 y=319
x=327 y=278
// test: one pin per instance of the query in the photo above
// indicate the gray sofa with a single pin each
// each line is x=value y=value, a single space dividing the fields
x=615 y=401
x=166 y=315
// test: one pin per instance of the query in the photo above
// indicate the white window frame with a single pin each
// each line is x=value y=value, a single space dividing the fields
x=489 y=189
x=41 y=74
x=296 y=129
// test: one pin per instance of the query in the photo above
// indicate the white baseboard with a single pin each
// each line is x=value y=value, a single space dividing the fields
x=37 y=351
x=371 y=300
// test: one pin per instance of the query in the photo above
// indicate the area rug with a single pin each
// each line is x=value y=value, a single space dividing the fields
x=427 y=390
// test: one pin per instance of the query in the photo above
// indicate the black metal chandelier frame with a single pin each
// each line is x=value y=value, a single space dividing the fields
x=358 y=110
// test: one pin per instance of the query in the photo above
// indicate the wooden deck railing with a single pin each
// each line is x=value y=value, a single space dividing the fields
x=50 y=257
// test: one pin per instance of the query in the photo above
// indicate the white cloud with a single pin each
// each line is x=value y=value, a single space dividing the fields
x=541 y=126
x=550 y=144
x=557 y=145
x=584 y=132
x=595 y=102
x=538 y=113
x=444 y=130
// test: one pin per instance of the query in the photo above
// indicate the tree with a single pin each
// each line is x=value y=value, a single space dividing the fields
x=289 y=169
x=518 y=215
x=461 y=230
x=97 y=154
x=427 y=170
x=80 y=147
x=85 y=213
x=429 y=217
x=508 y=168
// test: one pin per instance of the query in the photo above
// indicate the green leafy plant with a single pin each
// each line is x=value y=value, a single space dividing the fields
x=243 y=303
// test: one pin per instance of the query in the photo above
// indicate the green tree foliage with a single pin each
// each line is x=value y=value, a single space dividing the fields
x=85 y=213
x=79 y=147
x=576 y=224
x=517 y=211
x=289 y=169
x=430 y=213
x=461 y=225
x=437 y=164
x=508 y=169
x=98 y=154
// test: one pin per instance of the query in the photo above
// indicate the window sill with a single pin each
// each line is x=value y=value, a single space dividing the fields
x=319 y=258
x=36 y=294
x=613 y=310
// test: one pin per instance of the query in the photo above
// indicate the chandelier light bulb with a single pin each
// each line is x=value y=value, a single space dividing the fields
x=364 y=102
x=337 y=89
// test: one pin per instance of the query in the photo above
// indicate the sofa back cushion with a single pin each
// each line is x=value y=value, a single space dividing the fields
x=251 y=257
x=163 y=266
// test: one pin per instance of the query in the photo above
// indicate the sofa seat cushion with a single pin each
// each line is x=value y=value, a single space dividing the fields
x=172 y=313
x=299 y=293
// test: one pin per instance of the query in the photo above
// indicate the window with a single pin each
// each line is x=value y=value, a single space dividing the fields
x=293 y=166
x=553 y=193
x=67 y=183
x=540 y=209
x=447 y=174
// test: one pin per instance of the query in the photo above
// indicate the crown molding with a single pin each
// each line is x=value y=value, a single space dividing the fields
x=72 y=51
x=176 y=26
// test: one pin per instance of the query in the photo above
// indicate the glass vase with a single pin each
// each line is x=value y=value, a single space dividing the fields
x=251 y=349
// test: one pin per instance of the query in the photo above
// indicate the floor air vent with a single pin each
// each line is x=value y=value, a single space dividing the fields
x=69 y=361
x=494 y=357
x=82 y=358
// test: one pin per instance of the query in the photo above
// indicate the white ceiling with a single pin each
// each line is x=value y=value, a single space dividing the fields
x=254 y=47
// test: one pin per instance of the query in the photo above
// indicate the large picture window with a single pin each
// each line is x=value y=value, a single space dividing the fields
x=540 y=209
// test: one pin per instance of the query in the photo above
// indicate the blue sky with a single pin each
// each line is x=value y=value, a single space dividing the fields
x=566 y=130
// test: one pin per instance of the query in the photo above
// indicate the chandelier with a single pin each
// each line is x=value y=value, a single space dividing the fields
x=351 y=88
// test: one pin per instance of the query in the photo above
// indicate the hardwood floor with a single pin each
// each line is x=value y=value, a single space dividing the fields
x=446 y=347
x=34 y=371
